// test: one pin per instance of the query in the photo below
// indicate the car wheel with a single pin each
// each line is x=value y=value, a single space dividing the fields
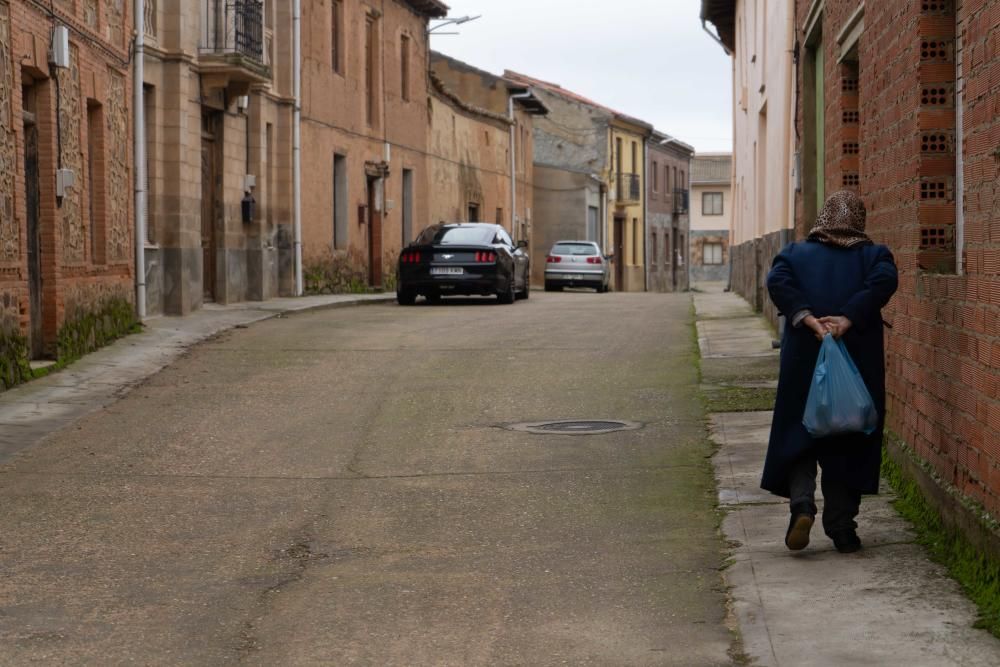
x=433 y=298
x=549 y=287
x=406 y=297
x=507 y=296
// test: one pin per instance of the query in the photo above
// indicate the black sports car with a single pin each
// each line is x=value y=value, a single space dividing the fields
x=463 y=259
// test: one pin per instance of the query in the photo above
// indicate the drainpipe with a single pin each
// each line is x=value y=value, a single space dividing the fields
x=297 y=140
x=715 y=37
x=645 y=215
x=513 y=161
x=139 y=153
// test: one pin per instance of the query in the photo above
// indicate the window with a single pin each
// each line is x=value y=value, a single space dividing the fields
x=404 y=65
x=666 y=179
x=593 y=213
x=473 y=212
x=95 y=180
x=618 y=155
x=656 y=176
x=149 y=104
x=711 y=253
x=636 y=257
x=371 y=69
x=654 y=249
x=677 y=184
x=635 y=158
x=452 y=235
x=684 y=181
x=499 y=219
x=407 y=205
x=574 y=249
x=711 y=203
x=339 y=202
x=336 y=35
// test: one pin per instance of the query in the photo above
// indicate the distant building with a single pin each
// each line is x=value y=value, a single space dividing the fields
x=475 y=144
x=668 y=163
x=589 y=174
x=711 y=216
x=365 y=136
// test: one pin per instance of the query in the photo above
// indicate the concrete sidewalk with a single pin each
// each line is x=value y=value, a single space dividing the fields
x=885 y=605
x=34 y=410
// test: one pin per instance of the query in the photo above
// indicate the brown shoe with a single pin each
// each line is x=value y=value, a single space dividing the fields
x=797 y=537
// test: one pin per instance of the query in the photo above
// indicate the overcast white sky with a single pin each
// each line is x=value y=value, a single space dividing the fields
x=646 y=58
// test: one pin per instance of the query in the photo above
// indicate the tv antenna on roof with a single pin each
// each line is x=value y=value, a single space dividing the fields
x=443 y=23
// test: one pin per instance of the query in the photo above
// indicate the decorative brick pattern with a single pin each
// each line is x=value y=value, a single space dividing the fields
x=70 y=111
x=90 y=13
x=114 y=21
x=118 y=224
x=10 y=238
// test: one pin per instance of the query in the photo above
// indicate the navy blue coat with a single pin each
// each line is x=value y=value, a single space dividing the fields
x=828 y=280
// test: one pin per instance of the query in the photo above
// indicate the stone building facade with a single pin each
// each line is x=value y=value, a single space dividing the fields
x=589 y=159
x=218 y=102
x=66 y=258
x=470 y=147
x=711 y=216
x=366 y=121
x=900 y=103
x=668 y=234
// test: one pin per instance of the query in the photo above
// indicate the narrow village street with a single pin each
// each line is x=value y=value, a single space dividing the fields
x=338 y=487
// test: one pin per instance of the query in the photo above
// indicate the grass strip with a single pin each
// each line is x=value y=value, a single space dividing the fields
x=976 y=571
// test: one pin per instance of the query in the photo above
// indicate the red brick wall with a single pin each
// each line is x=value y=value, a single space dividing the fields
x=101 y=54
x=943 y=354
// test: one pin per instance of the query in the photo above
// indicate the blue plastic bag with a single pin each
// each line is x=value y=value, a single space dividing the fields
x=839 y=402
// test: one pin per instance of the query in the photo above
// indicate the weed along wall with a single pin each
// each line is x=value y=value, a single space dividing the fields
x=14 y=350
x=94 y=318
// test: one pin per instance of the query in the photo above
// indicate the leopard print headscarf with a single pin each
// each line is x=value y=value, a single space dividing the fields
x=842 y=221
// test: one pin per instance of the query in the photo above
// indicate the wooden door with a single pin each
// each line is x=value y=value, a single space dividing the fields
x=31 y=198
x=209 y=177
x=620 y=254
x=374 y=236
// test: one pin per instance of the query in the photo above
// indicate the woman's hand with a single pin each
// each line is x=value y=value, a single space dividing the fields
x=838 y=325
x=818 y=328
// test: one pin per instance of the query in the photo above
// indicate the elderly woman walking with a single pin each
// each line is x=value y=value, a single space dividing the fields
x=835 y=282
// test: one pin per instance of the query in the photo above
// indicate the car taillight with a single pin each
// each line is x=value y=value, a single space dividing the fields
x=485 y=257
x=410 y=257
x=594 y=260
x=552 y=259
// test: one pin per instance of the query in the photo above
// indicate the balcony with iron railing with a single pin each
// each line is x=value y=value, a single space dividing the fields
x=682 y=200
x=628 y=189
x=233 y=41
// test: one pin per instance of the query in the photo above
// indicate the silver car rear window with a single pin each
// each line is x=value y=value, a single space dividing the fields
x=574 y=249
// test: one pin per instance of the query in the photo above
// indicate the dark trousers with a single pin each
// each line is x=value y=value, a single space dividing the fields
x=840 y=503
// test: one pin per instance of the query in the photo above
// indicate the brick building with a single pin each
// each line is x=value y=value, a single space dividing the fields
x=900 y=100
x=473 y=140
x=365 y=132
x=668 y=223
x=218 y=104
x=66 y=258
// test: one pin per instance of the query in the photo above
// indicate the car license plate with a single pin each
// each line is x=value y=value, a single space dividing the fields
x=447 y=270
x=576 y=276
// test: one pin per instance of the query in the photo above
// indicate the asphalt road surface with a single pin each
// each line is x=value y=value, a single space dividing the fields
x=339 y=488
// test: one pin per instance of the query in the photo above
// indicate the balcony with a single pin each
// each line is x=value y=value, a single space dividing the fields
x=232 y=44
x=628 y=189
x=682 y=200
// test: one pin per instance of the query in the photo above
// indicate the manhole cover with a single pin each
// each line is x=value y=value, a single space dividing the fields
x=575 y=426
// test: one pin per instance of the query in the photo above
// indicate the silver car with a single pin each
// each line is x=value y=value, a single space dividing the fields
x=577 y=264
